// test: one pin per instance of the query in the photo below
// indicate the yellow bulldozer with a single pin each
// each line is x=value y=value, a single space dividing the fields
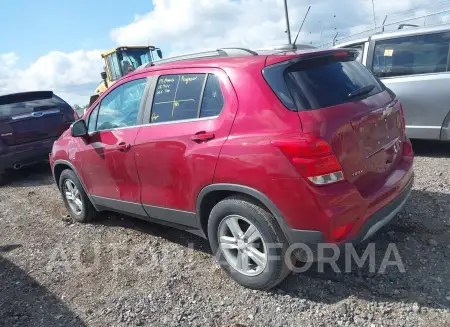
x=122 y=60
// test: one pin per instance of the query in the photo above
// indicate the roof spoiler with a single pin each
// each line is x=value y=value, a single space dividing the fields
x=25 y=96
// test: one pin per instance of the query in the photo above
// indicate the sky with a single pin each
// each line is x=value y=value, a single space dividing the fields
x=56 y=45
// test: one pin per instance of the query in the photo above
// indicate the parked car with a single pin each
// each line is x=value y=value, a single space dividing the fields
x=247 y=150
x=29 y=124
x=414 y=63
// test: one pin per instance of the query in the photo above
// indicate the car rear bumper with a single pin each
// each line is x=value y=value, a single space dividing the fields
x=367 y=216
x=318 y=247
x=383 y=216
x=25 y=154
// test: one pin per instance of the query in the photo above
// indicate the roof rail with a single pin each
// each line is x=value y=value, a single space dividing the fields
x=223 y=52
x=248 y=51
x=402 y=26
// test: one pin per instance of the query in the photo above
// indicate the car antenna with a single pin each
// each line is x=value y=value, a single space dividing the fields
x=299 y=30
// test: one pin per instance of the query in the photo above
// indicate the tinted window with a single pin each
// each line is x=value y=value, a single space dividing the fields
x=28 y=102
x=212 y=102
x=327 y=82
x=177 y=97
x=120 y=107
x=93 y=120
x=410 y=55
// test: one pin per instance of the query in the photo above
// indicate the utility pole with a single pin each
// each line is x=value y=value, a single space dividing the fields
x=374 y=18
x=288 y=25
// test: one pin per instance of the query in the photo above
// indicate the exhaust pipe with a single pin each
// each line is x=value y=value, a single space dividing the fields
x=17 y=166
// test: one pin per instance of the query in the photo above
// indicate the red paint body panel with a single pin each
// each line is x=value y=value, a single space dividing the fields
x=172 y=167
x=166 y=168
x=107 y=171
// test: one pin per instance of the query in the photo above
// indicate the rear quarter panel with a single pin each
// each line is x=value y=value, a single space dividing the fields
x=248 y=158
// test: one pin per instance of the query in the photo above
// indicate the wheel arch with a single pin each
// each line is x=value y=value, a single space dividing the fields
x=59 y=166
x=214 y=193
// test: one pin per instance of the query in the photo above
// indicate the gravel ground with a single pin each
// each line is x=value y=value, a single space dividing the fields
x=120 y=271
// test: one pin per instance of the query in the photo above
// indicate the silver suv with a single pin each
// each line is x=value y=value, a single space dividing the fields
x=414 y=63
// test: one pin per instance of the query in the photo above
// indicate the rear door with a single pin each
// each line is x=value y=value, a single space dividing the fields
x=340 y=101
x=415 y=69
x=187 y=122
x=33 y=116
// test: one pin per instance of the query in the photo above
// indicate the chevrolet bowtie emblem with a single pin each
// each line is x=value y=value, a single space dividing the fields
x=386 y=113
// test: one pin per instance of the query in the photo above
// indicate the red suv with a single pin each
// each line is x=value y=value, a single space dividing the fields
x=255 y=151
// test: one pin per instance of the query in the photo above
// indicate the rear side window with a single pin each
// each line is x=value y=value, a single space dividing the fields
x=212 y=103
x=29 y=102
x=318 y=82
x=186 y=96
x=419 y=54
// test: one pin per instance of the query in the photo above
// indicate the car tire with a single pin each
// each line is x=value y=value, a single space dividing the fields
x=270 y=243
x=77 y=203
x=2 y=178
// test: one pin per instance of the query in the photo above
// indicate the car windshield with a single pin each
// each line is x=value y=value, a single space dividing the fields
x=133 y=58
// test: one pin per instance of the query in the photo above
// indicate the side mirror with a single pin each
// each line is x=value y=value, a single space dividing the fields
x=159 y=53
x=93 y=98
x=104 y=78
x=79 y=129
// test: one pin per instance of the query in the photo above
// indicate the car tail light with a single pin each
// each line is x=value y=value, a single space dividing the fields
x=339 y=232
x=341 y=54
x=408 y=152
x=313 y=158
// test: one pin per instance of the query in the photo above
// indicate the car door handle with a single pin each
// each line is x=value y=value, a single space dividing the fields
x=124 y=147
x=202 y=137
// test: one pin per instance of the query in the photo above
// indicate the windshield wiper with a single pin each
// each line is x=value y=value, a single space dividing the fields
x=364 y=90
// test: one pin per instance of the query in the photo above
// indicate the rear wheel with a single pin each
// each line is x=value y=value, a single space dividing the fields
x=2 y=177
x=248 y=243
x=75 y=199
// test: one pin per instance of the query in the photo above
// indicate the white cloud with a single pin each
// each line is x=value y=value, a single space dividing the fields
x=9 y=59
x=192 y=25
x=189 y=25
x=73 y=76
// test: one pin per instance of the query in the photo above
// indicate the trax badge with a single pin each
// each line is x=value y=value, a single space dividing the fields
x=357 y=173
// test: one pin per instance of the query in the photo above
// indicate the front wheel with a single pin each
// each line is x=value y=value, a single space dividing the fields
x=248 y=243
x=75 y=199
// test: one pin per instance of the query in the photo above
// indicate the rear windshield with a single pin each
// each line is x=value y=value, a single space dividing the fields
x=324 y=82
x=24 y=103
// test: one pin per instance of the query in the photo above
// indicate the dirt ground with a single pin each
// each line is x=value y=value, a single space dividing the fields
x=119 y=271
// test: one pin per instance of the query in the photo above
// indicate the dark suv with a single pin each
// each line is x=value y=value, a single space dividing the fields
x=29 y=124
x=258 y=152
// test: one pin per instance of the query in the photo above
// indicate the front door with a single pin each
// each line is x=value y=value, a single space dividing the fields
x=107 y=157
x=176 y=151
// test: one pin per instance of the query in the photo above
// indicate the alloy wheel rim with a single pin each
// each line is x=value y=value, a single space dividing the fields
x=242 y=244
x=73 y=197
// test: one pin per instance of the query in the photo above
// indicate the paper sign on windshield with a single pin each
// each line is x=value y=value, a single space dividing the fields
x=388 y=52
